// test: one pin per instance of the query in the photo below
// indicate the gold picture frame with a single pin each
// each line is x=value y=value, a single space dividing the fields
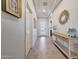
x=13 y=7
x=28 y=8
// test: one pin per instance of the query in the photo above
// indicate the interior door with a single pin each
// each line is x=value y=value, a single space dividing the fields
x=43 y=27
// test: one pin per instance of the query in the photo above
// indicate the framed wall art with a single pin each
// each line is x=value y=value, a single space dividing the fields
x=28 y=8
x=14 y=7
x=35 y=23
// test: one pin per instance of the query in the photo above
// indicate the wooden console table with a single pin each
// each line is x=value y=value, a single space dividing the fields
x=71 y=42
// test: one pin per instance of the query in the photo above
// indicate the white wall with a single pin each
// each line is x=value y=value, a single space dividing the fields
x=34 y=32
x=31 y=32
x=32 y=7
x=71 y=6
x=13 y=35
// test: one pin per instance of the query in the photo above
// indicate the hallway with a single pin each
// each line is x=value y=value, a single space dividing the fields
x=45 y=49
x=26 y=27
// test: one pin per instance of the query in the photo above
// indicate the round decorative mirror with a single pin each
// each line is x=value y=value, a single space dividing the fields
x=64 y=16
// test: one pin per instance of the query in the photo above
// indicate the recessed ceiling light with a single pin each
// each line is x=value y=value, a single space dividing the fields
x=44 y=3
x=44 y=10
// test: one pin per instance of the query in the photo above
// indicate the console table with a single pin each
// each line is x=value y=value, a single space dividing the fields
x=67 y=45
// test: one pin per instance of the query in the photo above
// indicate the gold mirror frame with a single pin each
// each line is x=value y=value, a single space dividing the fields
x=66 y=14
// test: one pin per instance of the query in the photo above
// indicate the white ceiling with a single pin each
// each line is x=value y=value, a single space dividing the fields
x=44 y=7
